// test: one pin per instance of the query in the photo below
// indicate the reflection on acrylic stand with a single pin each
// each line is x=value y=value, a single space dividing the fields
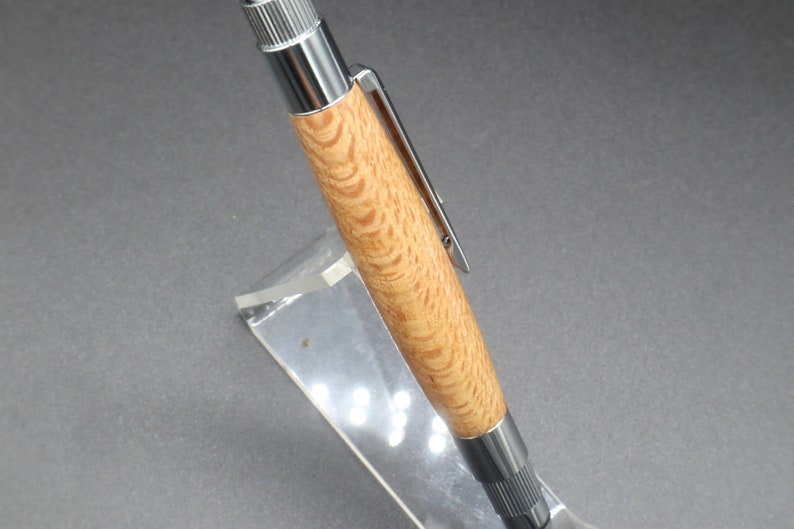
x=317 y=321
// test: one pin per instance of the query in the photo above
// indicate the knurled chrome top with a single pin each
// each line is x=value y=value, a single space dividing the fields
x=280 y=22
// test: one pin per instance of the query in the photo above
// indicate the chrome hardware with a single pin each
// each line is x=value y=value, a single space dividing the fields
x=301 y=52
x=498 y=459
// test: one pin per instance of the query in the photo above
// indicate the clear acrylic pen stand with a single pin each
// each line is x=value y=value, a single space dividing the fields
x=314 y=316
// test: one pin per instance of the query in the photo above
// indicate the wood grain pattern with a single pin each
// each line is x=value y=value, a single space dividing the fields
x=397 y=250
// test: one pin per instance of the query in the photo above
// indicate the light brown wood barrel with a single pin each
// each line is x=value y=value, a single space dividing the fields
x=402 y=261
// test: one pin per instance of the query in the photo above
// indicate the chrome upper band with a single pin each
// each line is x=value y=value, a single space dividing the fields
x=499 y=460
x=310 y=71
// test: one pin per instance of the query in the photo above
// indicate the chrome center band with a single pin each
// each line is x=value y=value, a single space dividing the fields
x=498 y=459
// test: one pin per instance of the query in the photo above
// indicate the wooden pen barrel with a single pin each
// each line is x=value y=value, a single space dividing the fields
x=399 y=255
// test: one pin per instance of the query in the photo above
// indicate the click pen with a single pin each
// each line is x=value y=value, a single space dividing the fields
x=402 y=244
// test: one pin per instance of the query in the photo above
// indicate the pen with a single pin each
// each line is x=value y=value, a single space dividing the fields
x=402 y=244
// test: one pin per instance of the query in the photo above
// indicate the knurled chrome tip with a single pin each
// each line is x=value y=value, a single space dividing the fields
x=280 y=22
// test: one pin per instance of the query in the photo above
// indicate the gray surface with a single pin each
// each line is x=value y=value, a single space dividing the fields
x=620 y=175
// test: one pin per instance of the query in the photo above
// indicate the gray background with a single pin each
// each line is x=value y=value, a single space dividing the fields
x=620 y=174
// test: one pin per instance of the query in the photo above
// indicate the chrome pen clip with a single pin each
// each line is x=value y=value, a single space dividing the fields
x=368 y=80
